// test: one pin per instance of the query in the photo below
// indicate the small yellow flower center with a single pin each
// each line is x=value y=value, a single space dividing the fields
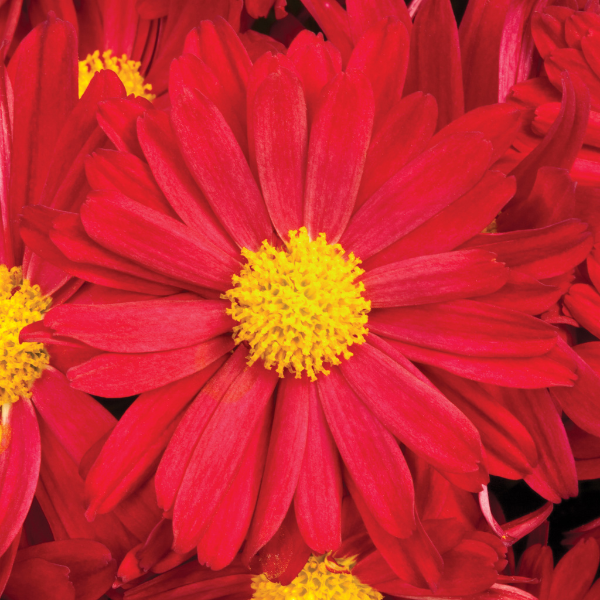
x=299 y=306
x=322 y=578
x=20 y=364
x=127 y=70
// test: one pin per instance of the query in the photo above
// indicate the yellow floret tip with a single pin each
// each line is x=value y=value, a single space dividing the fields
x=322 y=578
x=127 y=70
x=300 y=306
x=20 y=364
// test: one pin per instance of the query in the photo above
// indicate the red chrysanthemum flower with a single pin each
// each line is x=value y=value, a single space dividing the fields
x=455 y=555
x=294 y=170
x=44 y=127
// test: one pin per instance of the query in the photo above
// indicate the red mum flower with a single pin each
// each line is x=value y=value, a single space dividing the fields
x=454 y=555
x=347 y=171
x=42 y=134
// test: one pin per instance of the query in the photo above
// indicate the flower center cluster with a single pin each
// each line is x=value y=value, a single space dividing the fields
x=322 y=578
x=299 y=307
x=127 y=70
x=20 y=364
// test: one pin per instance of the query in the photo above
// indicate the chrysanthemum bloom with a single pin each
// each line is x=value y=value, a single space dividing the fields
x=43 y=132
x=572 y=577
x=467 y=557
x=140 y=39
x=331 y=275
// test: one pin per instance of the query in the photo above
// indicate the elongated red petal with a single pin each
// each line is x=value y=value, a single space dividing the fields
x=219 y=453
x=76 y=419
x=138 y=440
x=119 y=375
x=425 y=186
x=174 y=463
x=371 y=454
x=155 y=240
x=435 y=68
x=318 y=499
x=415 y=412
x=220 y=169
x=45 y=89
x=19 y=469
x=148 y=326
x=286 y=450
x=339 y=139
x=466 y=327
x=278 y=116
x=164 y=157
x=437 y=278
x=228 y=527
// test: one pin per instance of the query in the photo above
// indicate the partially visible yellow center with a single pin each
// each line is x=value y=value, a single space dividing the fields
x=300 y=306
x=20 y=364
x=127 y=70
x=322 y=578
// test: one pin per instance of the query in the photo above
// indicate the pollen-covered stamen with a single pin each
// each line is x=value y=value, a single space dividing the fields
x=322 y=578
x=300 y=306
x=20 y=364
x=127 y=70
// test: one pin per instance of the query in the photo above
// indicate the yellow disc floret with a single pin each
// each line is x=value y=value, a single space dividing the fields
x=299 y=306
x=20 y=364
x=322 y=578
x=127 y=70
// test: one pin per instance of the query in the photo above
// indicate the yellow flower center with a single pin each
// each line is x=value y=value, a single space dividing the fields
x=322 y=578
x=299 y=307
x=127 y=70
x=20 y=364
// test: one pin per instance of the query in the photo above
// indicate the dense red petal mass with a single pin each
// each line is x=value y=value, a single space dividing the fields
x=363 y=141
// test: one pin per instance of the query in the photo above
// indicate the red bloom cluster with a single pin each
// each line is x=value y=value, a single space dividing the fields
x=345 y=276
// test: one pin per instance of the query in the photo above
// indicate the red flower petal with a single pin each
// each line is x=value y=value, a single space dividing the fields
x=228 y=527
x=382 y=55
x=278 y=115
x=318 y=499
x=437 y=278
x=426 y=185
x=138 y=440
x=403 y=135
x=435 y=68
x=149 y=326
x=339 y=138
x=288 y=439
x=414 y=411
x=77 y=420
x=119 y=375
x=466 y=327
x=453 y=225
x=219 y=454
x=539 y=371
x=155 y=240
x=38 y=578
x=19 y=469
x=371 y=454
x=91 y=568
x=164 y=157
x=414 y=559
x=45 y=92
x=174 y=463
x=220 y=169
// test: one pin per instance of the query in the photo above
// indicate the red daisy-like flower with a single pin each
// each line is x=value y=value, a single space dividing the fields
x=294 y=170
x=44 y=127
x=461 y=558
